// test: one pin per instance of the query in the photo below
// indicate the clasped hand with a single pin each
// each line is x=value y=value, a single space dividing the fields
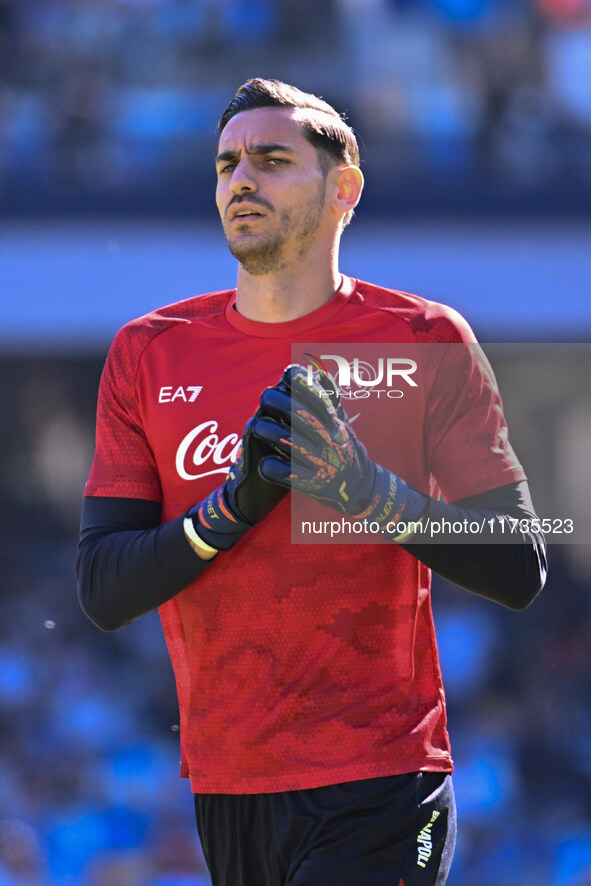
x=314 y=447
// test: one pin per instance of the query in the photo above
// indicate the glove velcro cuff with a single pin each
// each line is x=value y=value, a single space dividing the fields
x=215 y=523
x=395 y=506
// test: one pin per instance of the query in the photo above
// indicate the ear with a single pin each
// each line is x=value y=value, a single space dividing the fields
x=348 y=188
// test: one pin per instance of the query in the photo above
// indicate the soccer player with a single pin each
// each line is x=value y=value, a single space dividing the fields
x=312 y=710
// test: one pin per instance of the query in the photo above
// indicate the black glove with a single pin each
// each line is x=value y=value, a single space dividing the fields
x=316 y=451
x=222 y=518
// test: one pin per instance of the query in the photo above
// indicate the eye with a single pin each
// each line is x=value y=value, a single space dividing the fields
x=227 y=167
x=276 y=161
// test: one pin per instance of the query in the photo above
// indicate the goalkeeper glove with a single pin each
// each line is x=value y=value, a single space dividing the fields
x=316 y=451
x=222 y=518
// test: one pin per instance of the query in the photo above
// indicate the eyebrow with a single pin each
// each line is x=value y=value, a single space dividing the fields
x=260 y=149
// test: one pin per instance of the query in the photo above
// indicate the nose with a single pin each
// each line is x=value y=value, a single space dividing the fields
x=243 y=180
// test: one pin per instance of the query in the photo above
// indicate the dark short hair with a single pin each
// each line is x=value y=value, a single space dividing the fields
x=326 y=129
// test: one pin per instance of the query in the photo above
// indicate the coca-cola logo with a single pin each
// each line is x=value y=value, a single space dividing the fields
x=202 y=452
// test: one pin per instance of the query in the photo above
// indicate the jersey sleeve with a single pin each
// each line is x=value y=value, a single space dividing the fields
x=466 y=435
x=124 y=464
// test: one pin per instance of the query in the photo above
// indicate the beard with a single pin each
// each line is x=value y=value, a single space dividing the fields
x=259 y=256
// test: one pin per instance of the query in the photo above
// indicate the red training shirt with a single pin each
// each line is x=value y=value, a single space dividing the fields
x=297 y=665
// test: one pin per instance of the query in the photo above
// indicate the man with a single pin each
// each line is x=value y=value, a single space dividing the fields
x=311 y=704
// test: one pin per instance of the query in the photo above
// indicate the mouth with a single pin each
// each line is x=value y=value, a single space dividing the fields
x=244 y=213
x=246 y=216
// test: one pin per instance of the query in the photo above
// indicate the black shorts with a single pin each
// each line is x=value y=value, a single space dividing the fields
x=394 y=831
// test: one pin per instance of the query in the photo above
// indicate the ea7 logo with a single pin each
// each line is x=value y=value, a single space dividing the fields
x=186 y=393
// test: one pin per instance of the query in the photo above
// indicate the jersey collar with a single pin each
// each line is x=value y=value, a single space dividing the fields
x=292 y=328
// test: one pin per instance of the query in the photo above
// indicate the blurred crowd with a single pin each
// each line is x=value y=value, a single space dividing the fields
x=115 y=102
x=89 y=741
x=89 y=721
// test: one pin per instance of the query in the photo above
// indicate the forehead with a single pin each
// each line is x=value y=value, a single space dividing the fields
x=259 y=126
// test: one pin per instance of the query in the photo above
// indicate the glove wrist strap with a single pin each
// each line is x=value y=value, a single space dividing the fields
x=395 y=506
x=196 y=540
x=215 y=523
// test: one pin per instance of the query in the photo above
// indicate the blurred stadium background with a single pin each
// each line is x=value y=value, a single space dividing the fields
x=475 y=117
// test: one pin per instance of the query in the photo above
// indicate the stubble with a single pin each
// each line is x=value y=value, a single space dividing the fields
x=271 y=254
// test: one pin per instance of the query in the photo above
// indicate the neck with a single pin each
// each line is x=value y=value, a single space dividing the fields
x=286 y=295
